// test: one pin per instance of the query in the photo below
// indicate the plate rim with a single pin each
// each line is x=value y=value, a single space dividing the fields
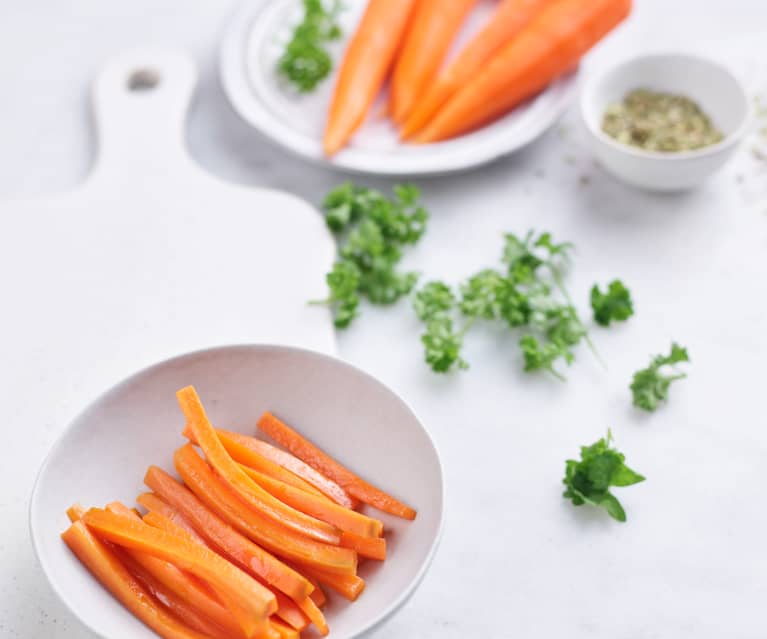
x=233 y=69
x=386 y=613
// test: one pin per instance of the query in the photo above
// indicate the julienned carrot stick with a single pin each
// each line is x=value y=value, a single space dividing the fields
x=286 y=632
x=234 y=443
x=321 y=508
x=549 y=46
x=182 y=585
x=185 y=610
x=116 y=578
x=434 y=25
x=222 y=536
x=292 y=463
x=318 y=594
x=254 y=602
x=217 y=496
x=176 y=524
x=370 y=547
x=317 y=459
x=310 y=609
x=348 y=586
x=255 y=496
x=75 y=512
x=509 y=18
x=286 y=607
x=366 y=63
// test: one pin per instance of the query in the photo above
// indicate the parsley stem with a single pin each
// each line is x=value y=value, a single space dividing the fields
x=557 y=277
x=559 y=376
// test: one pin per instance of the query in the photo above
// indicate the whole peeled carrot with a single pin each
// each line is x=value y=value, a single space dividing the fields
x=365 y=66
x=550 y=45
x=430 y=34
x=509 y=18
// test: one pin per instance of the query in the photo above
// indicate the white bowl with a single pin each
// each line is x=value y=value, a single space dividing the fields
x=103 y=454
x=711 y=85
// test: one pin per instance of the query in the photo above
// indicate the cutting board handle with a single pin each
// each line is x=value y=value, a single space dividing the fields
x=140 y=100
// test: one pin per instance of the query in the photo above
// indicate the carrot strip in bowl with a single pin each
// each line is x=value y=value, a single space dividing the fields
x=320 y=461
x=321 y=508
x=348 y=586
x=222 y=536
x=364 y=68
x=255 y=496
x=509 y=18
x=550 y=45
x=180 y=584
x=117 y=579
x=434 y=25
x=254 y=602
x=247 y=456
x=218 y=497
x=370 y=547
x=174 y=523
x=298 y=467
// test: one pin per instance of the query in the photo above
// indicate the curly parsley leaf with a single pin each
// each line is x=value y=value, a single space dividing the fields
x=601 y=466
x=433 y=299
x=442 y=344
x=650 y=385
x=614 y=304
x=305 y=61
x=372 y=229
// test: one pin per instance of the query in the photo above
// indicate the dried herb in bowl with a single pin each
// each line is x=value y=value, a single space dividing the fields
x=655 y=121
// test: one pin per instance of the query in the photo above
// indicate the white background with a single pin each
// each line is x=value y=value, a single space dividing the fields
x=516 y=559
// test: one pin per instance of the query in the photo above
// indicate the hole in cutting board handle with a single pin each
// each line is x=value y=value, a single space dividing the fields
x=142 y=80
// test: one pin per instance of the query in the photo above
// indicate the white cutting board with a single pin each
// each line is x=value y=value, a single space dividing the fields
x=150 y=257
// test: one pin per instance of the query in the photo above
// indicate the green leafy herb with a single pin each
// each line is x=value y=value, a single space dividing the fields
x=615 y=304
x=305 y=61
x=524 y=296
x=588 y=481
x=650 y=385
x=372 y=231
x=434 y=304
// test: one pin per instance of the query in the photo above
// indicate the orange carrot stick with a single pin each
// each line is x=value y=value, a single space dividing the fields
x=115 y=577
x=292 y=463
x=177 y=605
x=255 y=496
x=366 y=63
x=312 y=611
x=434 y=25
x=290 y=613
x=510 y=17
x=549 y=46
x=318 y=594
x=286 y=632
x=239 y=451
x=348 y=586
x=175 y=523
x=217 y=496
x=75 y=512
x=182 y=586
x=370 y=547
x=225 y=538
x=320 y=461
x=321 y=508
x=254 y=602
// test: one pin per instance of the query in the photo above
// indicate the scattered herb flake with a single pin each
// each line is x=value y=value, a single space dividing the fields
x=615 y=304
x=650 y=385
x=589 y=480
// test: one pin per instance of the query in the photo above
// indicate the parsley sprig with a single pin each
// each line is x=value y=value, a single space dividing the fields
x=372 y=230
x=589 y=480
x=528 y=294
x=650 y=385
x=613 y=305
x=305 y=61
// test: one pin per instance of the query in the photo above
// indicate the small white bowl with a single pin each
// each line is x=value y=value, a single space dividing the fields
x=103 y=454
x=708 y=83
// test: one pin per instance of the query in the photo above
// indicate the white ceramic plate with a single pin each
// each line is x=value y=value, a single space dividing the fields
x=104 y=453
x=252 y=45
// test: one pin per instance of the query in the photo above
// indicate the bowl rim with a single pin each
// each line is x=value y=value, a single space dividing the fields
x=376 y=620
x=729 y=140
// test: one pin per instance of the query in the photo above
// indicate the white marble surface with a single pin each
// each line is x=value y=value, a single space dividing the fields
x=516 y=560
